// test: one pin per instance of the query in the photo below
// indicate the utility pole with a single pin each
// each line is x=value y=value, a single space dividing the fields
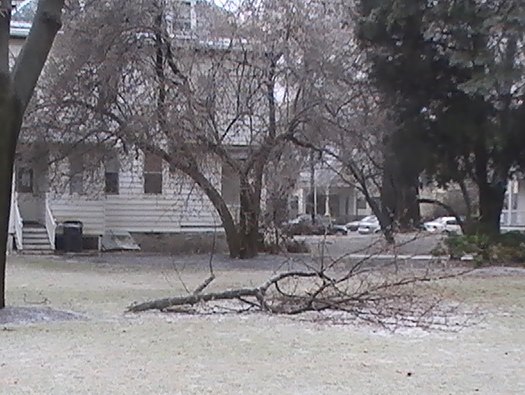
x=313 y=188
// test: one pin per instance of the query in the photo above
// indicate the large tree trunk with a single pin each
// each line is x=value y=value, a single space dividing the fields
x=16 y=90
x=249 y=221
x=491 y=200
x=492 y=185
x=232 y=234
x=7 y=151
x=399 y=194
x=10 y=124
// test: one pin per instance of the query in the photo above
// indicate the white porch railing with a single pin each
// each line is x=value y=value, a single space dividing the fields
x=512 y=218
x=51 y=224
x=18 y=223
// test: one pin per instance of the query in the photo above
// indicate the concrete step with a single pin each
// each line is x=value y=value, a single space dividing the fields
x=30 y=246
x=35 y=235
x=36 y=240
x=37 y=243
x=33 y=229
x=40 y=234
x=36 y=252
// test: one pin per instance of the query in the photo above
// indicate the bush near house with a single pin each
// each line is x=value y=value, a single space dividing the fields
x=507 y=248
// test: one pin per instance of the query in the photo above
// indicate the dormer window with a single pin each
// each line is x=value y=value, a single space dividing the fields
x=181 y=18
x=22 y=18
x=25 y=11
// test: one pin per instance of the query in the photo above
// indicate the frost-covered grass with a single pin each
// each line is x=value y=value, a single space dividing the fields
x=113 y=352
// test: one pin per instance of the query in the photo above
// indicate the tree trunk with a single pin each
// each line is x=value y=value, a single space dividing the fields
x=16 y=90
x=232 y=235
x=399 y=195
x=248 y=223
x=492 y=185
x=399 y=191
x=6 y=174
x=7 y=154
x=491 y=200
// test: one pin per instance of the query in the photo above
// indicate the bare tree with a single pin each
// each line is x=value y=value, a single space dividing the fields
x=16 y=89
x=209 y=102
x=346 y=127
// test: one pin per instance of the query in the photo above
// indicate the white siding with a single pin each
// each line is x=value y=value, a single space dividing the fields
x=520 y=214
x=182 y=205
x=90 y=212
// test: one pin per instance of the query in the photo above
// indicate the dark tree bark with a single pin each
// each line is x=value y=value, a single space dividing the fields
x=10 y=123
x=491 y=200
x=492 y=186
x=399 y=192
x=248 y=222
x=16 y=89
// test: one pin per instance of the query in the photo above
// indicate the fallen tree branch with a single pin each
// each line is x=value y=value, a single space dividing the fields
x=373 y=296
x=190 y=300
x=204 y=285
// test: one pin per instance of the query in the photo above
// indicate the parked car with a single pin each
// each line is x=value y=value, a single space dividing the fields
x=303 y=225
x=352 y=226
x=443 y=225
x=337 y=229
x=369 y=225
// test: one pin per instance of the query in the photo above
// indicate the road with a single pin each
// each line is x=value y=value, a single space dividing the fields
x=407 y=246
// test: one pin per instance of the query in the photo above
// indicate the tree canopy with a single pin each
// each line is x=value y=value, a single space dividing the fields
x=453 y=70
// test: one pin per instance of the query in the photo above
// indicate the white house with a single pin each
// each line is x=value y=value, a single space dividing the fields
x=513 y=215
x=327 y=193
x=126 y=193
x=119 y=193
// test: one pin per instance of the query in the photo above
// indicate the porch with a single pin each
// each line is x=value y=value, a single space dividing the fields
x=328 y=194
x=32 y=226
x=513 y=214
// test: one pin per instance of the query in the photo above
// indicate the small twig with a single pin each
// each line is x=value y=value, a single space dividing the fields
x=204 y=285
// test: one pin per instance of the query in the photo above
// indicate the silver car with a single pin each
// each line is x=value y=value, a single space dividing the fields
x=368 y=225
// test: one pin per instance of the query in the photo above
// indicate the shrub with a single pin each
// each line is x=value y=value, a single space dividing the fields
x=297 y=246
x=511 y=239
x=505 y=248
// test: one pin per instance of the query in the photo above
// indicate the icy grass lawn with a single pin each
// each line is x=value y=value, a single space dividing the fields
x=107 y=351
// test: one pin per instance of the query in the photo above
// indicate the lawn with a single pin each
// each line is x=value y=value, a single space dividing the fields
x=108 y=351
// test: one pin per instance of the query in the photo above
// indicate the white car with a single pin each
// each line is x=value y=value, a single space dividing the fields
x=369 y=225
x=443 y=225
x=352 y=226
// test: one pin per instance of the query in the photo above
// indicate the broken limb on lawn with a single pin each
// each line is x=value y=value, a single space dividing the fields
x=378 y=294
x=259 y=294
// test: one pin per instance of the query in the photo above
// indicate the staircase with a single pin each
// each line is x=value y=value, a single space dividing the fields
x=35 y=239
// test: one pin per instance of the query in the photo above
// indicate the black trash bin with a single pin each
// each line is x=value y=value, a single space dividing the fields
x=73 y=231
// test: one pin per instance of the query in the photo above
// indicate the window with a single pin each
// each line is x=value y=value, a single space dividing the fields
x=230 y=186
x=24 y=180
x=25 y=12
x=152 y=174
x=111 y=176
x=76 y=174
x=182 y=16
